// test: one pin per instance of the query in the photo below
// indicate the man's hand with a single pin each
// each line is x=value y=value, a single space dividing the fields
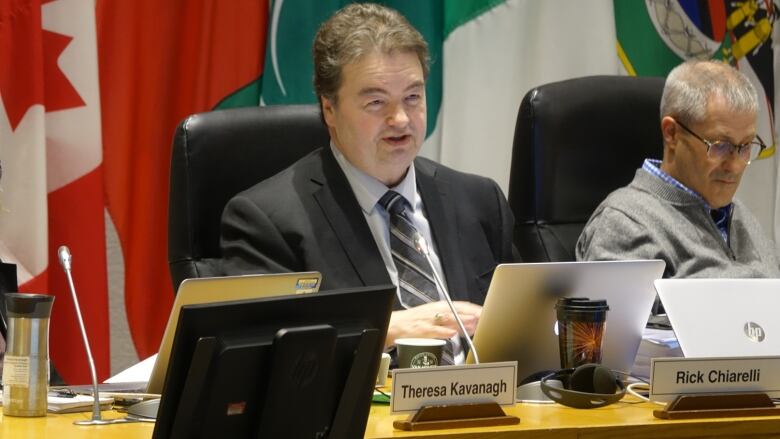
x=432 y=320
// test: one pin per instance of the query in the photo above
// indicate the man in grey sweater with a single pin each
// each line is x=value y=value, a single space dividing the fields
x=682 y=209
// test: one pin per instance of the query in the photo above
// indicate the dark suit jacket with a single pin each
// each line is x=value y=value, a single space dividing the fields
x=7 y=285
x=307 y=218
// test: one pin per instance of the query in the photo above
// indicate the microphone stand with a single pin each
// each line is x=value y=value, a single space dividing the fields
x=453 y=415
x=65 y=261
x=422 y=247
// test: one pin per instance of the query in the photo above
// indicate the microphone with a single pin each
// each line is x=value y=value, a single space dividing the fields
x=65 y=261
x=422 y=247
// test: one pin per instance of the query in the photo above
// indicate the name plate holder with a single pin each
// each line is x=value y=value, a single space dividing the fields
x=715 y=387
x=439 y=417
x=442 y=407
x=719 y=405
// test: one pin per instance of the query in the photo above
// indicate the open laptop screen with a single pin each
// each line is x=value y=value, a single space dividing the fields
x=723 y=317
x=518 y=318
x=222 y=289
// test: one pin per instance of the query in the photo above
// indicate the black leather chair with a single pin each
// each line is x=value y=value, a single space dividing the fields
x=575 y=142
x=215 y=156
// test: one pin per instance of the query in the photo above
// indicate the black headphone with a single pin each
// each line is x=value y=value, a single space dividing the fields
x=586 y=387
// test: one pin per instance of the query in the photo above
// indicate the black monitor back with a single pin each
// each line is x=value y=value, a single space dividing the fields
x=290 y=366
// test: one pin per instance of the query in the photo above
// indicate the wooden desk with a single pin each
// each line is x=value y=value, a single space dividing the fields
x=61 y=427
x=622 y=420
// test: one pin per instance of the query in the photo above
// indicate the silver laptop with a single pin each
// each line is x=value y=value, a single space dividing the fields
x=723 y=317
x=518 y=318
x=223 y=289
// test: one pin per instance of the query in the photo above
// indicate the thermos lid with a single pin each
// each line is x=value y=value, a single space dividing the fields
x=581 y=309
x=582 y=303
x=28 y=305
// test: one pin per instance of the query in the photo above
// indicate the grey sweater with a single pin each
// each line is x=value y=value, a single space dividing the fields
x=652 y=219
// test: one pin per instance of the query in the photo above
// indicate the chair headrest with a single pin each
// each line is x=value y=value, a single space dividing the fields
x=221 y=153
x=578 y=140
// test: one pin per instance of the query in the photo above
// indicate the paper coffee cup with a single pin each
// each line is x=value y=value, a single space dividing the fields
x=419 y=352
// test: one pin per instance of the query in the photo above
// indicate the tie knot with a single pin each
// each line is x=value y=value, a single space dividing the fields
x=393 y=202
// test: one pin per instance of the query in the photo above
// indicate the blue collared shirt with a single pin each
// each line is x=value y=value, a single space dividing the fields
x=720 y=216
x=368 y=190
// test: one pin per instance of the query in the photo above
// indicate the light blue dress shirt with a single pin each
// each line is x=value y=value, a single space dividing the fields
x=368 y=190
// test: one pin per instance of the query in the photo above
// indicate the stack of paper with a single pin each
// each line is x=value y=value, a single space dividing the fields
x=655 y=343
x=72 y=404
x=76 y=403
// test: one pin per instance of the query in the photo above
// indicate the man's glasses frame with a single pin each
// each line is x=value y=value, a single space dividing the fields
x=721 y=149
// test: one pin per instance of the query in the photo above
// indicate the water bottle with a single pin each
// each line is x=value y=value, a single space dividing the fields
x=26 y=362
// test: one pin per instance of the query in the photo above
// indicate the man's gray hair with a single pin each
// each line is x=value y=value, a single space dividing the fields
x=691 y=84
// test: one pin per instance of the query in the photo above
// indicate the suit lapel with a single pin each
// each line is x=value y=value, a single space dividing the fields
x=440 y=211
x=343 y=213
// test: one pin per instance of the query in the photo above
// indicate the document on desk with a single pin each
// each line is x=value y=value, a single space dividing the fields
x=76 y=403
x=71 y=403
x=128 y=384
x=139 y=372
x=655 y=343
x=662 y=337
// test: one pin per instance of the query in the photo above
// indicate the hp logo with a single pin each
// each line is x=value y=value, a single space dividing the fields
x=754 y=331
x=304 y=369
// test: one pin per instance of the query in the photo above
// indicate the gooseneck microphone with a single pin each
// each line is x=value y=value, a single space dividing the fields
x=65 y=261
x=422 y=247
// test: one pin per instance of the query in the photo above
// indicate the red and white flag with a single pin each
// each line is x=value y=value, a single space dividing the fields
x=52 y=184
x=159 y=63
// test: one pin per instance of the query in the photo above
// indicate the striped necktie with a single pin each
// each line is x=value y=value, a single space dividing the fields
x=415 y=278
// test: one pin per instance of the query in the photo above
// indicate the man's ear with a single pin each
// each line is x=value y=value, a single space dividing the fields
x=328 y=111
x=670 y=131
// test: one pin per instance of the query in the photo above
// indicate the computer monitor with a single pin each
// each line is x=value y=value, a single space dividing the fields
x=288 y=366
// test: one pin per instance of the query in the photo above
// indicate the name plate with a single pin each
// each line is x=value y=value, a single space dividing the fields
x=469 y=383
x=670 y=377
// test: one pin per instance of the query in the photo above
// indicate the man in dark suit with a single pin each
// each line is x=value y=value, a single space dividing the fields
x=354 y=209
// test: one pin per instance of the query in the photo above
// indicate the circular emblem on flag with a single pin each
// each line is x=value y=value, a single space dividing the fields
x=738 y=33
x=730 y=31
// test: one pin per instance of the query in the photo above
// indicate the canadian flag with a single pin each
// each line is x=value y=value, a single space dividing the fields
x=52 y=183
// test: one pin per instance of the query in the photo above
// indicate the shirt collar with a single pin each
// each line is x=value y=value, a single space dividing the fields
x=368 y=190
x=720 y=216
x=654 y=167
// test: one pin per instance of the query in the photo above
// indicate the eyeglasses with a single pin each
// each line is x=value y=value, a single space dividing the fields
x=722 y=149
